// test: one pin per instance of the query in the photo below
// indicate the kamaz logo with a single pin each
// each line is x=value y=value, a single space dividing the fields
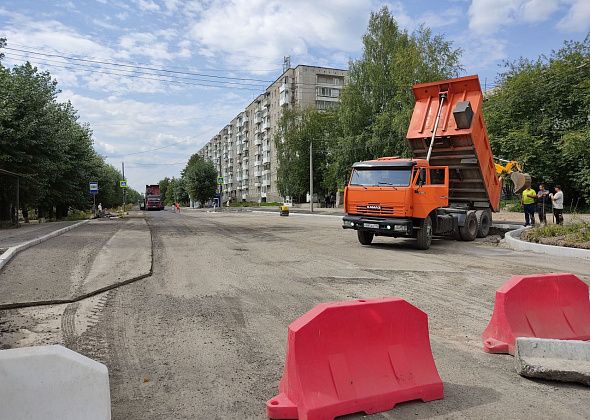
x=373 y=207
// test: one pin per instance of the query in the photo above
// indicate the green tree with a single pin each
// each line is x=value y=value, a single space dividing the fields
x=538 y=115
x=164 y=185
x=298 y=128
x=43 y=139
x=377 y=102
x=199 y=179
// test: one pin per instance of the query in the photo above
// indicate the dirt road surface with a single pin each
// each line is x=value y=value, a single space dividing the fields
x=204 y=337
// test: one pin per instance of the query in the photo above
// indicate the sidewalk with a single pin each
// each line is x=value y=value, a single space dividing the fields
x=27 y=232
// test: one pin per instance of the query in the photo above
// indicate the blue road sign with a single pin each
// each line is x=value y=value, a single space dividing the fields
x=93 y=187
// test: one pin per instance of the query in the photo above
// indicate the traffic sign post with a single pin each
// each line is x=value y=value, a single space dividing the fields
x=93 y=189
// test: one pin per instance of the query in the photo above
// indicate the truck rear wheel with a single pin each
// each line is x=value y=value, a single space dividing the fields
x=484 y=222
x=365 y=237
x=468 y=231
x=424 y=235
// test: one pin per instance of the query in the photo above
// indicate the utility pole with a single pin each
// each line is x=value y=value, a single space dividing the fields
x=311 y=176
x=124 y=189
x=17 y=199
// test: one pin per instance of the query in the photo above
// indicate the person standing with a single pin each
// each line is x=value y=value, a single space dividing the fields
x=557 y=199
x=528 y=204
x=542 y=196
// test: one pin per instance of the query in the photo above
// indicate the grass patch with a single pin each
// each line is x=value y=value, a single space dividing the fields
x=575 y=234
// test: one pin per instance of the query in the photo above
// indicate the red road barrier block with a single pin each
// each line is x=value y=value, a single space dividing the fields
x=356 y=356
x=539 y=305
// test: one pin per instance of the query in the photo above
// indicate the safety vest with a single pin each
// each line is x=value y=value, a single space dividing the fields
x=525 y=196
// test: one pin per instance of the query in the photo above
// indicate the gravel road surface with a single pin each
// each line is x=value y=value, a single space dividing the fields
x=204 y=337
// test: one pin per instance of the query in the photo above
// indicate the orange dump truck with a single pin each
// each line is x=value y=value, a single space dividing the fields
x=449 y=188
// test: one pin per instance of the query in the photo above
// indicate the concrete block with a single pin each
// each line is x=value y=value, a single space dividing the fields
x=558 y=360
x=52 y=382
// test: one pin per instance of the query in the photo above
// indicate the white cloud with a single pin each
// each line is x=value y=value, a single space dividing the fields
x=258 y=33
x=578 y=17
x=539 y=10
x=490 y=16
x=123 y=126
x=148 y=5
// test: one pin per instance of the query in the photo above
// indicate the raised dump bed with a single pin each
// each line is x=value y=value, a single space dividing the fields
x=461 y=140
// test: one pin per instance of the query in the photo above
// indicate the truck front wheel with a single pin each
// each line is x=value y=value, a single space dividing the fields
x=469 y=230
x=424 y=235
x=365 y=237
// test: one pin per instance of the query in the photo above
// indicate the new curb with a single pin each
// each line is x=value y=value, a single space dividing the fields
x=514 y=242
x=13 y=250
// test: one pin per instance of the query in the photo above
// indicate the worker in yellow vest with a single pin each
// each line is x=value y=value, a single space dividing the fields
x=528 y=204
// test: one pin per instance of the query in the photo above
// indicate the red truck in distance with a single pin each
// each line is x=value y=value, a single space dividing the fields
x=153 y=198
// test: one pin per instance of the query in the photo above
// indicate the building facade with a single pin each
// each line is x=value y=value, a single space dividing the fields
x=244 y=153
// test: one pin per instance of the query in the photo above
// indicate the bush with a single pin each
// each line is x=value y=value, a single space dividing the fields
x=79 y=215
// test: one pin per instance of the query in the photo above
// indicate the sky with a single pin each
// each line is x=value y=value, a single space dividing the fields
x=156 y=79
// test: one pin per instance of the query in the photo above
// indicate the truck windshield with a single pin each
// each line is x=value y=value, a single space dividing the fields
x=388 y=177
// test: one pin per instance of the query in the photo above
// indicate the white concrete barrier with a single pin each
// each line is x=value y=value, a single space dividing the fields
x=52 y=382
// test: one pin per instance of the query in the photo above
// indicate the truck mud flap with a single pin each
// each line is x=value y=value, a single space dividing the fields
x=542 y=306
x=356 y=356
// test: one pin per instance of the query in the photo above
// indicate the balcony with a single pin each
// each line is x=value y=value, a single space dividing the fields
x=284 y=99
x=257 y=184
x=265 y=148
x=245 y=177
x=257 y=141
x=265 y=160
x=266 y=182
x=257 y=173
x=263 y=195
x=266 y=124
x=258 y=163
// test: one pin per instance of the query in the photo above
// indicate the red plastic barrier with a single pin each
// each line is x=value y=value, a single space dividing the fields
x=540 y=305
x=348 y=357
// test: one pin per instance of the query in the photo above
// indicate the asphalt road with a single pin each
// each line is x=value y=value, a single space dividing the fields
x=204 y=336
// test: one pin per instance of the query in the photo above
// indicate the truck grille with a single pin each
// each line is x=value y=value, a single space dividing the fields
x=370 y=209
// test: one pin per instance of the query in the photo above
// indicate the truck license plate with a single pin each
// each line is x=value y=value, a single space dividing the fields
x=371 y=225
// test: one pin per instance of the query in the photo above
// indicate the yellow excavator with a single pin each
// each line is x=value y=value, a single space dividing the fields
x=516 y=172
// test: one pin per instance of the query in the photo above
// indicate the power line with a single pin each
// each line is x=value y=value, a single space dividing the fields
x=93 y=67
x=169 y=66
x=136 y=66
x=114 y=73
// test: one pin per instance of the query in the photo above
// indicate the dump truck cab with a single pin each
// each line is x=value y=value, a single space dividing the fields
x=448 y=188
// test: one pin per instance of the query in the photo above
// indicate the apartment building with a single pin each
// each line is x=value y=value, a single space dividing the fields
x=244 y=153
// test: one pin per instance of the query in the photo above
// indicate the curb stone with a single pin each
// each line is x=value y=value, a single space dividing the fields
x=514 y=242
x=13 y=250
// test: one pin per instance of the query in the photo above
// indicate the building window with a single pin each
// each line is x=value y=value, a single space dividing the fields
x=323 y=105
